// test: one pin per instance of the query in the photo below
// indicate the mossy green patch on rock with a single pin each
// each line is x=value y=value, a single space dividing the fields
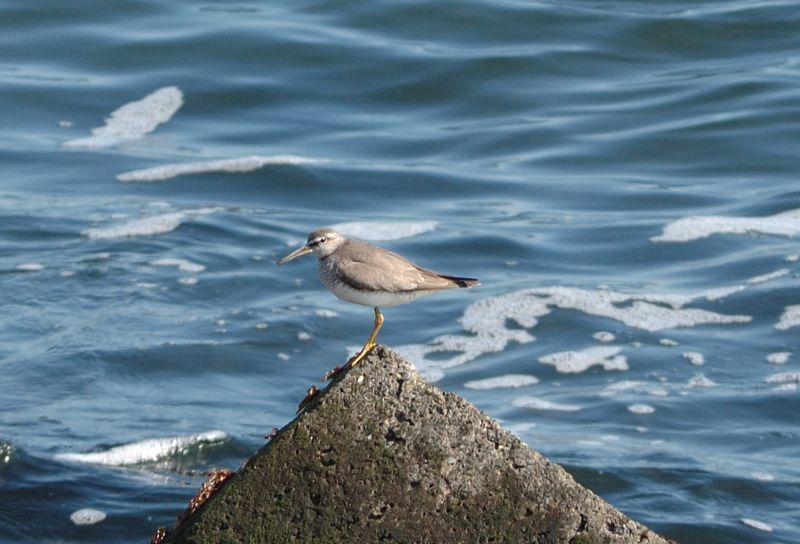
x=380 y=455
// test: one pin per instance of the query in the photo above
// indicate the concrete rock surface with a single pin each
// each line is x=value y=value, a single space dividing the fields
x=382 y=456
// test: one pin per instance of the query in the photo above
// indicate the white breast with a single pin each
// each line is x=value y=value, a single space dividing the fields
x=380 y=299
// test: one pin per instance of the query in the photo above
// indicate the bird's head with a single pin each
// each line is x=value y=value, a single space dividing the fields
x=321 y=242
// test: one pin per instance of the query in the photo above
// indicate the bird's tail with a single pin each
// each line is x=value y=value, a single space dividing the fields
x=463 y=282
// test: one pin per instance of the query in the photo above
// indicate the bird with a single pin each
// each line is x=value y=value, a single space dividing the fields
x=369 y=275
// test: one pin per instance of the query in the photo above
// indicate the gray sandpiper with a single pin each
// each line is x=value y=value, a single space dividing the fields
x=365 y=274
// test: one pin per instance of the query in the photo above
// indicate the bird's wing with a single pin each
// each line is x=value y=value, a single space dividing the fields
x=374 y=268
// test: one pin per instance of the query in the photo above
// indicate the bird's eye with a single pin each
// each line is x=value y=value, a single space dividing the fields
x=323 y=240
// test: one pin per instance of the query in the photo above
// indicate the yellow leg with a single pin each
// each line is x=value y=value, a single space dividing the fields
x=371 y=341
x=364 y=351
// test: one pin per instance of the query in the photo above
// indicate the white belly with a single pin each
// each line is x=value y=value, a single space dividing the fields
x=378 y=299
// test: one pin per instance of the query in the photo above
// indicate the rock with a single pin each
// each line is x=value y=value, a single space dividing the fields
x=381 y=455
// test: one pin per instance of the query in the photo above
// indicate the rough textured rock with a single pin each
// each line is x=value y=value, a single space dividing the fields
x=380 y=455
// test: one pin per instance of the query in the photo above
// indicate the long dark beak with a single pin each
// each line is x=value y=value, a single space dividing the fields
x=299 y=252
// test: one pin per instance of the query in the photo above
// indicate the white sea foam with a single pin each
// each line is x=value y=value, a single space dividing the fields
x=784 y=377
x=693 y=228
x=790 y=318
x=794 y=257
x=762 y=476
x=792 y=387
x=87 y=516
x=764 y=278
x=694 y=357
x=634 y=386
x=235 y=165
x=507 y=380
x=494 y=322
x=29 y=267
x=604 y=336
x=375 y=231
x=146 y=285
x=755 y=524
x=144 y=451
x=668 y=342
x=326 y=313
x=5 y=453
x=189 y=280
x=573 y=362
x=641 y=409
x=431 y=374
x=699 y=380
x=541 y=404
x=487 y=320
x=180 y=264
x=648 y=312
x=146 y=226
x=779 y=357
x=519 y=428
x=722 y=292
x=134 y=119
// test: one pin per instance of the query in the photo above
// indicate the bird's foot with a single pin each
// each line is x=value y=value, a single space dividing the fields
x=335 y=371
x=310 y=395
x=353 y=361
x=357 y=358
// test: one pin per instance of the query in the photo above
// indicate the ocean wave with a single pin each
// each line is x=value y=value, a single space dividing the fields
x=505 y=381
x=700 y=380
x=604 y=336
x=534 y=403
x=789 y=318
x=691 y=228
x=488 y=321
x=374 y=231
x=180 y=264
x=783 y=377
x=634 y=386
x=146 y=226
x=779 y=357
x=756 y=524
x=764 y=278
x=695 y=357
x=235 y=165
x=641 y=409
x=29 y=267
x=133 y=120
x=574 y=362
x=145 y=451
x=87 y=516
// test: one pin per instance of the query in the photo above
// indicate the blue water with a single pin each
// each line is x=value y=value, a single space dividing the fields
x=543 y=147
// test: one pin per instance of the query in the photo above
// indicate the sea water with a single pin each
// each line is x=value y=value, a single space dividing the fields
x=622 y=177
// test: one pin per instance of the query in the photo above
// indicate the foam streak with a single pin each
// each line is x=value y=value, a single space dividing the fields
x=146 y=226
x=134 y=119
x=236 y=165
x=691 y=228
x=488 y=321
